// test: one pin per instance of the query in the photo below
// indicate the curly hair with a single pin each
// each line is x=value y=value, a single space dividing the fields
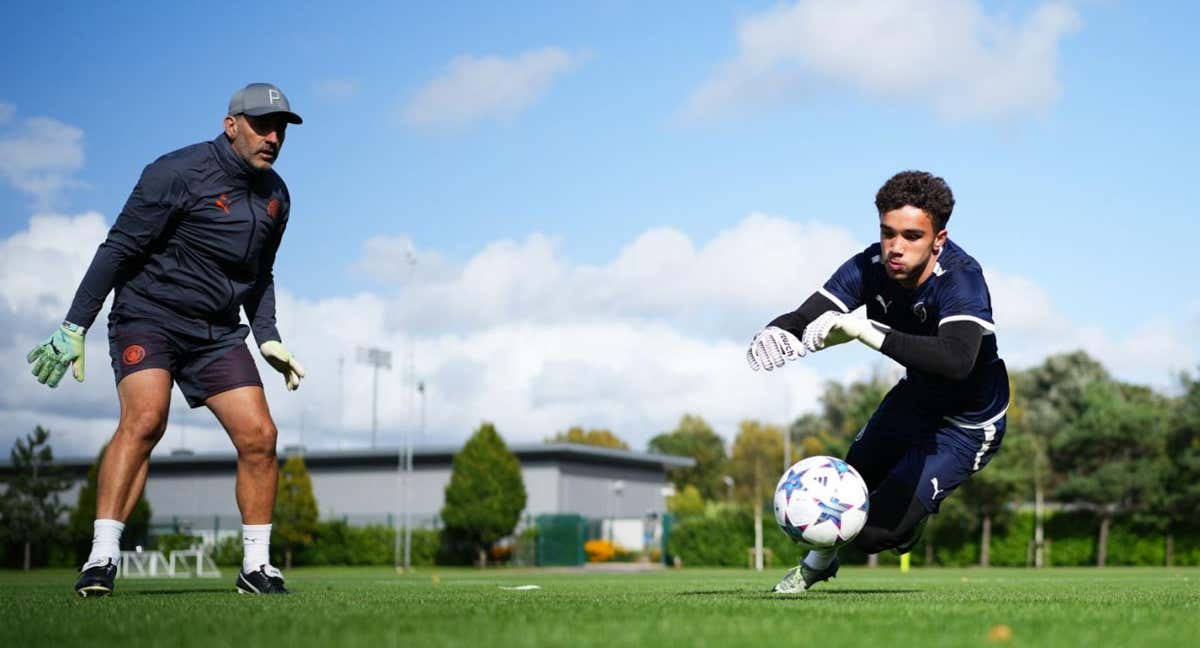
x=920 y=189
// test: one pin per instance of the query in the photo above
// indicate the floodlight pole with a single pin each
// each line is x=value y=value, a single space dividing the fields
x=377 y=358
x=408 y=468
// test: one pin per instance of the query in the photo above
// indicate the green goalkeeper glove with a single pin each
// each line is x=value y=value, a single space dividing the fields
x=63 y=349
x=282 y=361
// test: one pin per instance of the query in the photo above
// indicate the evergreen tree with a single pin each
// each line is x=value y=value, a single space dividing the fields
x=79 y=524
x=1178 y=498
x=1045 y=399
x=29 y=506
x=295 y=517
x=988 y=492
x=486 y=493
x=1111 y=454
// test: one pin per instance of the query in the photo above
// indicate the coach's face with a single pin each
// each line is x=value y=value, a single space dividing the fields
x=256 y=140
x=908 y=245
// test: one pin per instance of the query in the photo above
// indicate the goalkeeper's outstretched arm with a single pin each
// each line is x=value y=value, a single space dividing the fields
x=796 y=321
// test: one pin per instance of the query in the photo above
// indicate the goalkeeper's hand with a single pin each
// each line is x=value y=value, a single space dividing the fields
x=772 y=347
x=833 y=328
x=62 y=349
x=282 y=361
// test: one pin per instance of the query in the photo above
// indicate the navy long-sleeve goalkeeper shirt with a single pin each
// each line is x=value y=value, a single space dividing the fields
x=195 y=242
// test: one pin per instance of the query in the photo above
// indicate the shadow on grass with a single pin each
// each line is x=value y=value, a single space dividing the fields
x=169 y=592
x=793 y=597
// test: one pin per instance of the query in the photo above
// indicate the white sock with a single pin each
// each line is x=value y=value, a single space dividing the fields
x=106 y=541
x=820 y=558
x=256 y=546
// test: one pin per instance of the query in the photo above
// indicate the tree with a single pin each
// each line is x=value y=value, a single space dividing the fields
x=686 y=502
x=295 y=516
x=693 y=437
x=1112 y=453
x=756 y=467
x=486 y=493
x=1179 y=495
x=812 y=436
x=1049 y=396
x=29 y=506
x=987 y=492
x=845 y=410
x=79 y=523
x=596 y=437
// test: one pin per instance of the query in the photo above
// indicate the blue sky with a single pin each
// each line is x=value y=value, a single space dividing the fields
x=1072 y=173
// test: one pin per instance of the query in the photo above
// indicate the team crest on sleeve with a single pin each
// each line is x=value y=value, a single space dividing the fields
x=273 y=208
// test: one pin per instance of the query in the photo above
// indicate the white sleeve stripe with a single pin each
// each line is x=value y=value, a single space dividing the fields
x=833 y=299
x=987 y=326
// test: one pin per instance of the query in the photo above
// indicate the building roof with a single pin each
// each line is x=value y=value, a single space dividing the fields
x=390 y=456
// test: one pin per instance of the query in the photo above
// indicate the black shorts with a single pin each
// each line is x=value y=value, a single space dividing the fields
x=201 y=367
x=929 y=453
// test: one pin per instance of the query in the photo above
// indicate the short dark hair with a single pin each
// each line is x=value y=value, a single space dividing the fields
x=920 y=189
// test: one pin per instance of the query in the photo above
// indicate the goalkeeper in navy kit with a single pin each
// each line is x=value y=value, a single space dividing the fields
x=928 y=308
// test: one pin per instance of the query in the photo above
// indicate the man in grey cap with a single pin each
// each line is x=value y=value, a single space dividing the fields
x=193 y=246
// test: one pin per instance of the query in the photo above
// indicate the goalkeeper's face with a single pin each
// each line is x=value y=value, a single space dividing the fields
x=908 y=244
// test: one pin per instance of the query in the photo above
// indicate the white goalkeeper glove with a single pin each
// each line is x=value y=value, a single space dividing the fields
x=283 y=361
x=833 y=328
x=772 y=348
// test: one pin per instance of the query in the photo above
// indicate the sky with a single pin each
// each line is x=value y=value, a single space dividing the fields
x=556 y=214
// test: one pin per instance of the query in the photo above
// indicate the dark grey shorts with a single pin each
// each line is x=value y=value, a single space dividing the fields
x=202 y=368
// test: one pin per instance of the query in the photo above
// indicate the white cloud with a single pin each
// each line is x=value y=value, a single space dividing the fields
x=521 y=335
x=335 y=89
x=7 y=111
x=475 y=88
x=725 y=286
x=40 y=156
x=951 y=54
x=54 y=245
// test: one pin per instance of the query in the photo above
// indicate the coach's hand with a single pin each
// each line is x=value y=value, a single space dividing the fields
x=837 y=328
x=772 y=347
x=62 y=349
x=282 y=361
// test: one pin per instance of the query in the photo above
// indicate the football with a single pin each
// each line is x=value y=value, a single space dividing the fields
x=821 y=502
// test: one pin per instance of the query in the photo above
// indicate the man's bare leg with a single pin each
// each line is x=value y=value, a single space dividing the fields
x=243 y=411
x=244 y=414
x=145 y=404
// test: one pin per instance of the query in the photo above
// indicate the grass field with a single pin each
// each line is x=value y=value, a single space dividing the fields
x=446 y=607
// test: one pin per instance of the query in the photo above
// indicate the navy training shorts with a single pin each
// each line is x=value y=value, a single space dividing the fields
x=201 y=367
x=927 y=452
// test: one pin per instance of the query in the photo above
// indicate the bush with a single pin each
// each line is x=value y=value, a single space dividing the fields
x=227 y=552
x=718 y=538
x=169 y=542
x=599 y=550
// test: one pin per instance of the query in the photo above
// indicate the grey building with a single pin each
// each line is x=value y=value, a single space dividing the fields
x=619 y=488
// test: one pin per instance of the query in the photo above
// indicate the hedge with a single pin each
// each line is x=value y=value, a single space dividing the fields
x=722 y=538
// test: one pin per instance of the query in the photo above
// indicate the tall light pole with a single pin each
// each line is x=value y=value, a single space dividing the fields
x=377 y=358
x=408 y=475
x=341 y=420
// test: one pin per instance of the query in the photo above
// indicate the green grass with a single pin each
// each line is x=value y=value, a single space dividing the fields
x=374 y=607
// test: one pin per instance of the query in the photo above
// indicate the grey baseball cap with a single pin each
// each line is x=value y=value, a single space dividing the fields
x=259 y=99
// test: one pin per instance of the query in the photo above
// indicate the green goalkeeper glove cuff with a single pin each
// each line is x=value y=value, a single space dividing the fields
x=62 y=349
